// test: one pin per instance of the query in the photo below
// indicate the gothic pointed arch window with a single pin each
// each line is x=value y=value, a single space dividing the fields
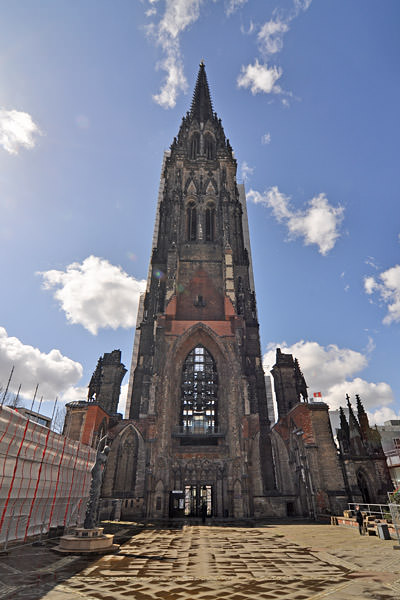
x=194 y=146
x=125 y=472
x=210 y=222
x=209 y=147
x=191 y=222
x=199 y=392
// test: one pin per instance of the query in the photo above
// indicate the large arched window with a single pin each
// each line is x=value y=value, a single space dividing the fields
x=209 y=146
x=194 y=148
x=199 y=392
x=125 y=473
x=210 y=223
x=191 y=222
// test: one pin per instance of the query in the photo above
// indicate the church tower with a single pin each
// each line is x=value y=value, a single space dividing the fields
x=197 y=398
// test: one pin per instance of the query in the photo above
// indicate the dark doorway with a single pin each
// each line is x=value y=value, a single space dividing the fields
x=290 y=509
x=363 y=486
x=176 y=504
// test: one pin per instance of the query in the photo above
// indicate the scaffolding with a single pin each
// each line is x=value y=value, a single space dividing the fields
x=44 y=478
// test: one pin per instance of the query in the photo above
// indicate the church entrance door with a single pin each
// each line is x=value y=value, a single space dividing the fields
x=195 y=497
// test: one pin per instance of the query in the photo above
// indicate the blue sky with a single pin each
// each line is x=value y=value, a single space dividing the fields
x=93 y=92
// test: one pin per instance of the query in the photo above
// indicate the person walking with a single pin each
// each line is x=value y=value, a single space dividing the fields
x=359 y=519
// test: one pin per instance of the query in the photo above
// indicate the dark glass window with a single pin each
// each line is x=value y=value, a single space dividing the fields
x=209 y=147
x=210 y=223
x=199 y=392
x=194 y=146
x=191 y=222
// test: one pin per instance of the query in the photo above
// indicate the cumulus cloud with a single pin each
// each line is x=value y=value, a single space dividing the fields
x=260 y=78
x=387 y=286
x=17 y=130
x=54 y=372
x=95 y=294
x=318 y=224
x=178 y=16
x=381 y=415
x=331 y=370
x=246 y=171
x=233 y=5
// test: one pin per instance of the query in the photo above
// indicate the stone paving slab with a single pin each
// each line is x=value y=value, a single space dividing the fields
x=271 y=561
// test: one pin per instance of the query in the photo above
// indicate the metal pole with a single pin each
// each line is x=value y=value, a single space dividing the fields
x=8 y=383
x=40 y=404
x=54 y=409
x=17 y=396
x=34 y=396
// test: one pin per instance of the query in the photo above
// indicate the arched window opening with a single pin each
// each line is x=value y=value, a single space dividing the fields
x=209 y=147
x=125 y=474
x=210 y=223
x=194 y=146
x=191 y=222
x=199 y=392
x=363 y=487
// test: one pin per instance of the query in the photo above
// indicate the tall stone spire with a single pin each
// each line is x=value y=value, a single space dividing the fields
x=201 y=108
x=362 y=418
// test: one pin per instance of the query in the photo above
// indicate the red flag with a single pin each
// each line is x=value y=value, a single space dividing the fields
x=317 y=395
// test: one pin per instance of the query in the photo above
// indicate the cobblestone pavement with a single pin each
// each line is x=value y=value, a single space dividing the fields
x=276 y=561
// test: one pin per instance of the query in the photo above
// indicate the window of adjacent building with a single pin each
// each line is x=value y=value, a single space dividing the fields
x=199 y=392
x=396 y=443
x=191 y=222
x=210 y=223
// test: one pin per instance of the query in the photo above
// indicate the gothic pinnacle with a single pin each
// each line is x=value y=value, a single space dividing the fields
x=201 y=108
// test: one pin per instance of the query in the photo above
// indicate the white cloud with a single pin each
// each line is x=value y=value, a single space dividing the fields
x=330 y=370
x=249 y=31
x=318 y=224
x=17 y=130
x=233 y=5
x=96 y=294
x=178 y=16
x=246 y=171
x=53 y=372
x=266 y=138
x=371 y=262
x=270 y=36
x=123 y=398
x=260 y=78
x=388 y=288
x=381 y=415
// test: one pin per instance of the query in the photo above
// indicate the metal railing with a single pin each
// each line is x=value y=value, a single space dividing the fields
x=381 y=511
x=193 y=430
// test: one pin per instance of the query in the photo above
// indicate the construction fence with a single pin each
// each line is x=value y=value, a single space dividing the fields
x=44 y=478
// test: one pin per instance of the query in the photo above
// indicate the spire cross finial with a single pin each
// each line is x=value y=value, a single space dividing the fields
x=202 y=64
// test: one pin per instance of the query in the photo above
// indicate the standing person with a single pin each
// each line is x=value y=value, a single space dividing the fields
x=359 y=519
x=203 y=512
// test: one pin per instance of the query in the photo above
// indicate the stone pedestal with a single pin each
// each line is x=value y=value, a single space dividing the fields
x=87 y=541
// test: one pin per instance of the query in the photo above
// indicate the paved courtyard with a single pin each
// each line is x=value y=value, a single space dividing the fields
x=272 y=561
